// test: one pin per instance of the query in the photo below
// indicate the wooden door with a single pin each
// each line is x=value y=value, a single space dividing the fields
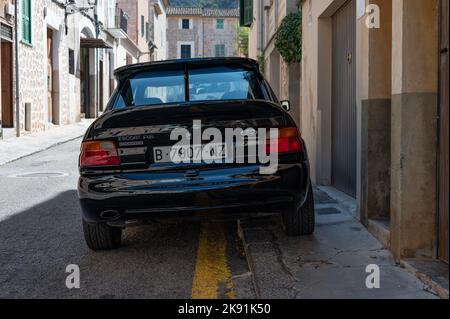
x=344 y=100
x=50 y=74
x=84 y=85
x=443 y=135
x=100 y=85
x=6 y=84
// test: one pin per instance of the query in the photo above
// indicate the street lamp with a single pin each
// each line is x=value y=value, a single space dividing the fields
x=71 y=8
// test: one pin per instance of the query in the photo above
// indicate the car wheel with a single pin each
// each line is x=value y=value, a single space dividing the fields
x=100 y=236
x=301 y=221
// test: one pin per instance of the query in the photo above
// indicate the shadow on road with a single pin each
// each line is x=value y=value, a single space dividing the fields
x=36 y=245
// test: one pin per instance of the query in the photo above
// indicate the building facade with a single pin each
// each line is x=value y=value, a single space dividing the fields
x=264 y=21
x=7 y=73
x=43 y=67
x=158 y=27
x=375 y=114
x=67 y=53
x=198 y=32
x=138 y=28
x=63 y=73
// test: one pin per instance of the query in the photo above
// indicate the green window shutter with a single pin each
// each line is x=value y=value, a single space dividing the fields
x=246 y=12
x=26 y=21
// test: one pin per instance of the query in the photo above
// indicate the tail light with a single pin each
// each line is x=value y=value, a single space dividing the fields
x=99 y=153
x=288 y=141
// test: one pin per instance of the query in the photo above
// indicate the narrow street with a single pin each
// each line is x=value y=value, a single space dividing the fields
x=326 y=118
x=41 y=234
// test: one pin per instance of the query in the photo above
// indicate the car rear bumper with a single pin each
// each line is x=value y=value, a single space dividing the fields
x=225 y=193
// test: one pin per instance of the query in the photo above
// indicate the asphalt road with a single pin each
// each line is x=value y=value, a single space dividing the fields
x=41 y=234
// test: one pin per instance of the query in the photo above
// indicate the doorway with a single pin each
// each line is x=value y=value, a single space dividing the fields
x=100 y=87
x=6 y=53
x=443 y=135
x=50 y=77
x=344 y=100
x=84 y=85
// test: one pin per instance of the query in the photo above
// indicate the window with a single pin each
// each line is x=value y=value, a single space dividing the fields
x=185 y=51
x=224 y=83
x=152 y=88
x=71 y=62
x=246 y=12
x=219 y=50
x=142 y=26
x=111 y=14
x=159 y=87
x=219 y=24
x=185 y=24
x=26 y=21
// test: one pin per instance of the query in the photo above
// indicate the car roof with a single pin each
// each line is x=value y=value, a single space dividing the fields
x=196 y=62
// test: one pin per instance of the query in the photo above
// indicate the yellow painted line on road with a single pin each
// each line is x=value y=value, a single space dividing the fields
x=212 y=278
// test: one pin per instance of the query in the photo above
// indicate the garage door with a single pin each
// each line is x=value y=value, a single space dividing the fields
x=344 y=100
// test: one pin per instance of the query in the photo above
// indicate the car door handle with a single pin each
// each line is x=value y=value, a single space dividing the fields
x=191 y=173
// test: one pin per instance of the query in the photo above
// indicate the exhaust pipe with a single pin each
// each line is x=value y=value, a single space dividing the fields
x=109 y=214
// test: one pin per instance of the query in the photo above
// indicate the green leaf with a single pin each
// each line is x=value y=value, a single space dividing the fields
x=288 y=39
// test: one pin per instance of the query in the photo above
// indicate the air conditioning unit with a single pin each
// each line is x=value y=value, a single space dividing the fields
x=9 y=9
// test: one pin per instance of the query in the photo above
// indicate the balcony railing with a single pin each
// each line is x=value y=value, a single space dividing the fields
x=122 y=20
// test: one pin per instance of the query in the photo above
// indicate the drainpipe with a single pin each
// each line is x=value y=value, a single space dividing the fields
x=203 y=37
x=97 y=77
x=16 y=53
x=262 y=24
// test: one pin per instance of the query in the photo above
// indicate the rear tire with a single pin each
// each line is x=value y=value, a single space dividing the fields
x=302 y=221
x=100 y=236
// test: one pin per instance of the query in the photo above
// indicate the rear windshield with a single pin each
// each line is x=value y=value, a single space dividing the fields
x=205 y=84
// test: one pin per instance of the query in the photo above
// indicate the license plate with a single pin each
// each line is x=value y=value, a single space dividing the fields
x=190 y=153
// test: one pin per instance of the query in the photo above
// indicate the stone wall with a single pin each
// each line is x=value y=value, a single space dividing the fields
x=32 y=69
x=226 y=36
x=175 y=34
x=204 y=35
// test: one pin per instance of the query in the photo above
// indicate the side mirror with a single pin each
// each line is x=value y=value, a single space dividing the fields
x=286 y=105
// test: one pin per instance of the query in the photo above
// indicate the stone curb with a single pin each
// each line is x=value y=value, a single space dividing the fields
x=440 y=291
x=249 y=259
x=271 y=279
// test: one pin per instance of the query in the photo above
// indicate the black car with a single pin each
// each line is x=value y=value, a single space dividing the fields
x=128 y=175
